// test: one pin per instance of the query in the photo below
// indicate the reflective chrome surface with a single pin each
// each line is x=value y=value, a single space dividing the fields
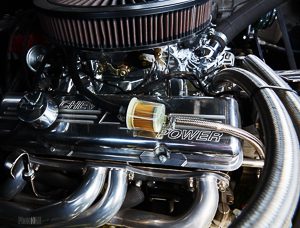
x=14 y=181
x=112 y=200
x=66 y=209
x=200 y=214
x=290 y=75
x=253 y=163
x=35 y=56
x=155 y=172
x=97 y=135
x=38 y=109
x=224 y=128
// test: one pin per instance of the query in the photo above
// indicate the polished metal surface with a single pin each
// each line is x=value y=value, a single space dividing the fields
x=79 y=201
x=38 y=109
x=155 y=172
x=200 y=214
x=102 y=211
x=290 y=75
x=213 y=55
x=35 y=56
x=228 y=129
x=222 y=36
x=253 y=163
x=63 y=210
x=14 y=181
x=96 y=135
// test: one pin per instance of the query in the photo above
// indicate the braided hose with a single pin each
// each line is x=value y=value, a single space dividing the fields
x=224 y=128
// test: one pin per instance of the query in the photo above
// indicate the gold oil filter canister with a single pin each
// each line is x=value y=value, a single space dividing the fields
x=145 y=115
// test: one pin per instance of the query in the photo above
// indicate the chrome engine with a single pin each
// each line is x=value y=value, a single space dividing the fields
x=92 y=133
x=146 y=114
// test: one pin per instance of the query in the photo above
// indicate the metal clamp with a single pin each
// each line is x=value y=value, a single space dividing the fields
x=29 y=172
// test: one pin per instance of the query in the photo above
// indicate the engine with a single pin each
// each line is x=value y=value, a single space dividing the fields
x=148 y=114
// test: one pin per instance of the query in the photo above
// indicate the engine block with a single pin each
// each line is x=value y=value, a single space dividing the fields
x=81 y=130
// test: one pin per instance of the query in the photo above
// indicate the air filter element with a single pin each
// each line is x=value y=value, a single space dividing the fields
x=122 y=24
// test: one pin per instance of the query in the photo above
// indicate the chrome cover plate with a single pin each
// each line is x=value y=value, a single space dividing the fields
x=84 y=131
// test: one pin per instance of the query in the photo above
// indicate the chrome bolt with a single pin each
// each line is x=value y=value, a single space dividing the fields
x=130 y=176
x=162 y=158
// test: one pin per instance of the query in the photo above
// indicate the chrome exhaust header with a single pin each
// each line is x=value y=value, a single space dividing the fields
x=66 y=209
x=102 y=211
x=200 y=214
x=82 y=208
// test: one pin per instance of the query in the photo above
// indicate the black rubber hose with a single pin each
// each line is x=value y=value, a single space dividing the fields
x=289 y=98
x=101 y=102
x=134 y=197
x=245 y=16
x=273 y=202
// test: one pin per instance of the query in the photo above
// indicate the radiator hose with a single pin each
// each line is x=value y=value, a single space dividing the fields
x=289 y=98
x=245 y=16
x=273 y=202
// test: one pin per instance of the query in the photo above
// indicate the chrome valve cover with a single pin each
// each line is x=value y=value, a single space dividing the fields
x=82 y=130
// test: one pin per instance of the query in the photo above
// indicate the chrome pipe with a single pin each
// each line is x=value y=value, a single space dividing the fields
x=199 y=216
x=253 y=163
x=79 y=201
x=100 y=213
x=63 y=210
x=14 y=183
x=27 y=199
